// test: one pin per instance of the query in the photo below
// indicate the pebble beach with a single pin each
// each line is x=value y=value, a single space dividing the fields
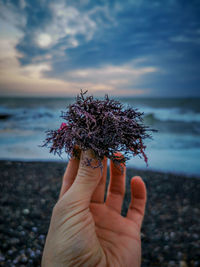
x=29 y=190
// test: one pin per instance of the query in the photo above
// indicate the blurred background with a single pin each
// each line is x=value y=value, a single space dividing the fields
x=143 y=53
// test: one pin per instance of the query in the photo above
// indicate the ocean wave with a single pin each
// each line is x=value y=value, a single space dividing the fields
x=25 y=113
x=39 y=116
x=167 y=115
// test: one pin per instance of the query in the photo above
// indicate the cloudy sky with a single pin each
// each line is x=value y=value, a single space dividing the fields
x=131 y=47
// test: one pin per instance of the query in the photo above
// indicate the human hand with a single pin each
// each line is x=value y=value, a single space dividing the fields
x=85 y=230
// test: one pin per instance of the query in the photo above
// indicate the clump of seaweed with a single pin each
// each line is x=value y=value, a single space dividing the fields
x=104 y=126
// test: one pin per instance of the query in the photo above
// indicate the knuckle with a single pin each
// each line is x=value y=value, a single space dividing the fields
x=88 y=174
x=118 y=189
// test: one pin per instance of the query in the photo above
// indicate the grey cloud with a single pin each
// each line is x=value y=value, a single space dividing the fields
x=90 y=34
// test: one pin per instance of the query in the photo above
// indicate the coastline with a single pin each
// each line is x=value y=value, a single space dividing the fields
x=170 y=234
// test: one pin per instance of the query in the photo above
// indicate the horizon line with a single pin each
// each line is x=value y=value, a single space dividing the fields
x=111 y=95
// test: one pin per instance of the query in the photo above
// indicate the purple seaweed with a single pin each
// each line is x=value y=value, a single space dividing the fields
x=104 y=126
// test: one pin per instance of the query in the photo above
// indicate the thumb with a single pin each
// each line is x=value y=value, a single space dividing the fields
x=87 y=177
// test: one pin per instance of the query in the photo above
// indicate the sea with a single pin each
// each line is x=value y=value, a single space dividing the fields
x=174 y=148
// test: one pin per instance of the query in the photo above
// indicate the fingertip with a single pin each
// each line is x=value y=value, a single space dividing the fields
x=89 y=168
x=138 y=201
x=118 y=156
x=138 y=188
x=88 y=159
x=136 y=179
x=116 y=167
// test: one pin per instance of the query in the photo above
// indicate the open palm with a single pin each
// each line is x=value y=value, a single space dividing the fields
x=85 y=230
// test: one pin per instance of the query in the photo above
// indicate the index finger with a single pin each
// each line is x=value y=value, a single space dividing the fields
x=69 y=175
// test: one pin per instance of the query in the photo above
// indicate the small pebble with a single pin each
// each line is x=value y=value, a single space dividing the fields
x=172 y=263
x=38 y=252
x=22 y=233
x=14 y=241
x=172 y=235
x=16 y=260
x=183 y=264
x=26 y=211
x=2 y=258
x=42 y=237
x=34 y=229
x=10 y=252
x=32 y=254
x=24 y=259
x=20 y=228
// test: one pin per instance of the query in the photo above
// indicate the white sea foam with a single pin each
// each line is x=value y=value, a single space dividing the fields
x=172 y=114
x=175 y=148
